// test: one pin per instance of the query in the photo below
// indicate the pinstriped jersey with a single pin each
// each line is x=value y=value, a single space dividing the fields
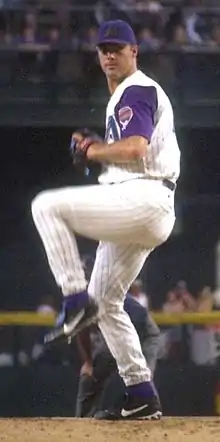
x=139 y=106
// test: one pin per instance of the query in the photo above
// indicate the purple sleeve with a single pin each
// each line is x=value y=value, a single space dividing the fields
x=135 y=111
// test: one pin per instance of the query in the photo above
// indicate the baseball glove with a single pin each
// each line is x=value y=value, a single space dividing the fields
x=81 y=140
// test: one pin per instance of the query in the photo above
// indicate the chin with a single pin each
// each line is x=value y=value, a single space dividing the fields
x=113 y=75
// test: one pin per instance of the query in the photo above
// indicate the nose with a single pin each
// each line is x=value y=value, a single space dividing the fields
x=110 y=55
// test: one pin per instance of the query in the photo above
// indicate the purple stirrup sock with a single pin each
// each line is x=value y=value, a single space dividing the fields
x=144 y=389
x=76 y=301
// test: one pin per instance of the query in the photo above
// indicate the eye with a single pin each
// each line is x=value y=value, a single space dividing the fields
x=120 y=48
x=111 y=48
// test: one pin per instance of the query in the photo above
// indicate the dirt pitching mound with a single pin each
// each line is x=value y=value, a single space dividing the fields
x=83 y=430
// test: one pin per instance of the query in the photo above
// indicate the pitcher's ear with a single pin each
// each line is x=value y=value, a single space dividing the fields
x=135 y=50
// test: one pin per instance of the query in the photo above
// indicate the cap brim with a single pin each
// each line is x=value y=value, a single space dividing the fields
x=113 y=41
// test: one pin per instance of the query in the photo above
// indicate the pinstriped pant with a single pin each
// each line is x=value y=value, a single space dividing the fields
x=129 y=219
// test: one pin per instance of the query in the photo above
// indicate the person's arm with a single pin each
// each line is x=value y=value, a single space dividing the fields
x=132 y=125
x=83 y=340
x=123 y=151
x=87 y=383
x=189 y=302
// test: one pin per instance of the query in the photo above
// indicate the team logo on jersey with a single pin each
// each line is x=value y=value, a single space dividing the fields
x=125 y=115
x=112 y=131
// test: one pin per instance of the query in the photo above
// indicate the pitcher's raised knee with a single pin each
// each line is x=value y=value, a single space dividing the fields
x=43 y=202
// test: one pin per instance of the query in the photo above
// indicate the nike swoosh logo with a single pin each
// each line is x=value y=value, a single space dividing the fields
x=68 y=328
x=127 y=413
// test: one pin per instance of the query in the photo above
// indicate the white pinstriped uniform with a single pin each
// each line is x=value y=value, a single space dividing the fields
x=163 y=155
x=129 y=218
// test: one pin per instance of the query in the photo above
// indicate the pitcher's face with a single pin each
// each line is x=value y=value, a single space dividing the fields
x=117 y=61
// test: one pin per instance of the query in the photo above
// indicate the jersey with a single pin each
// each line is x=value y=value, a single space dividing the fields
x=139 y=106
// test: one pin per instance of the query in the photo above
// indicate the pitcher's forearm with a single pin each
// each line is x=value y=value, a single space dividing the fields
x=123 y=151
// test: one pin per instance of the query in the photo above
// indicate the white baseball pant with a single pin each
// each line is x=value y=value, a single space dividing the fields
x=129 y=219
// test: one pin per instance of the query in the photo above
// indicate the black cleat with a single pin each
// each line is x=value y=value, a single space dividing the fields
x=72 y=321
x=138 y=408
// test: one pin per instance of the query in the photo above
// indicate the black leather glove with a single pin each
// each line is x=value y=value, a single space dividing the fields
x=78 y=149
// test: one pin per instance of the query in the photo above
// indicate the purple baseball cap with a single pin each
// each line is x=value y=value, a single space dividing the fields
x=116 y=31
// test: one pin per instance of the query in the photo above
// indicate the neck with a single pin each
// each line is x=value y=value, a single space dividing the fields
x=114 y=83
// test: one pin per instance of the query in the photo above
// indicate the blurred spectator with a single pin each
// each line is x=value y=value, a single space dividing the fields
x=216 y=299
x=136 y=290
x=89 y=42
x=215 y=35
x=147 y=40
x=192 y=22
x=179 y=36
x=172 y=339
x=28 y=35
x=205 y=300
x=122 y=10
x=204 y=339
x=173 y=20
x=185 y=296
x=173 y=304
x=54 y=36
x=101 y=12
x=179 y=25
x=154 y=6
x=31 y=20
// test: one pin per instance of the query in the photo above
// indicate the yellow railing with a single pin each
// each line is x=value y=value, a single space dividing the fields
x=39 y=319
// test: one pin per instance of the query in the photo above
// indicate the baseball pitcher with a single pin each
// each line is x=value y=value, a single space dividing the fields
x=130 y=212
